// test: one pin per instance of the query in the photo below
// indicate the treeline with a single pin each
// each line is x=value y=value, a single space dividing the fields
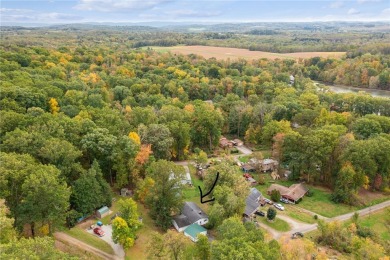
x=280 y=39
x=367 y=71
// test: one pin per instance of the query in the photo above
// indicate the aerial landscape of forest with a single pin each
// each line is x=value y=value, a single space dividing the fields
x=158 y=130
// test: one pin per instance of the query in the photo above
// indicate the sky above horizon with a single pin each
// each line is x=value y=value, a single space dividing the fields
x=135 y=11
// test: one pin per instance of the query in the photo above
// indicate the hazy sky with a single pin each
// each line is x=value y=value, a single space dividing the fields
x=75 y=11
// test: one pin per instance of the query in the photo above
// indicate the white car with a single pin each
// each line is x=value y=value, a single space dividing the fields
x=279 y=206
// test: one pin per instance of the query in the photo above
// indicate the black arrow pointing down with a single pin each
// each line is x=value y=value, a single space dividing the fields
x=201 y=194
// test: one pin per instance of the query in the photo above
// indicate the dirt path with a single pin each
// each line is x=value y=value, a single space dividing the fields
x=83 y=246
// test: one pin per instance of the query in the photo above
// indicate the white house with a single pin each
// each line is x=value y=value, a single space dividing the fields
x=190 y=214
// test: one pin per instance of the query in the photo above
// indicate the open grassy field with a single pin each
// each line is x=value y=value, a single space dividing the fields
x=378 y=221
x=233 y=53
x=89 y=239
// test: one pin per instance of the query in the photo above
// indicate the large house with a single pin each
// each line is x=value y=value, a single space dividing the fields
x=189 y=215
x=252 y=202
x=294 y=193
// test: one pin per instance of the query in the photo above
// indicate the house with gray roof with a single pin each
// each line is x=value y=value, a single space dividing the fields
x=189 y=215
x=252 y=202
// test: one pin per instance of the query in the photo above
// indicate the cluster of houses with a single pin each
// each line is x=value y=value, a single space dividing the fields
x=262 y=165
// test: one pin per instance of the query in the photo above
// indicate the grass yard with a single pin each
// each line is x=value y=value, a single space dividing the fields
x=89 y=239
x=322 y=204
x=299 y=215
x=378 y=221
x=278 y=224
x=244 y=159
x=139 y=250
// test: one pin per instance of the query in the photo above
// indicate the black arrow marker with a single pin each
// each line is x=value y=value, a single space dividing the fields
x=202 y=196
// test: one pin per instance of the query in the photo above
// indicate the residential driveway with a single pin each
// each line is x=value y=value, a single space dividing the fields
x=118 y=249
x=243 y=149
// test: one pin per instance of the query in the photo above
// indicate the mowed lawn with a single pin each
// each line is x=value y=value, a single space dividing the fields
x=278 y=224
x=322 y=204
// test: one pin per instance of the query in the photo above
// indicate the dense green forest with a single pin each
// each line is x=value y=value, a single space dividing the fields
x=83 y=113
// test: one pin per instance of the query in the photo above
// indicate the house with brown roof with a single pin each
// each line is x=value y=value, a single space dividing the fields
x=225 y=143
x=293 y=193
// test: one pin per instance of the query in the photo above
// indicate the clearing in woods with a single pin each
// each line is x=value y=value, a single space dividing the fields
x=233 y=53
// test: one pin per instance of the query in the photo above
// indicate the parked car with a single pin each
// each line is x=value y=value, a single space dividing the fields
x=279 y=206
x=268 y=201
x=284 y=200
x=260 y=213
x=296 y=235
x=98 y=231
x=247 y=175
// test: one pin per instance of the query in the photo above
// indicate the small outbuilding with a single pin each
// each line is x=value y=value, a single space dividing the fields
x=248 y=168
x=192 y=231
x=102 y=212
x=126 y=192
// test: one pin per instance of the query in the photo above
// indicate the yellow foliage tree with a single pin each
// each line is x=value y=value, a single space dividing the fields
x=135 y=137
x=54 y=108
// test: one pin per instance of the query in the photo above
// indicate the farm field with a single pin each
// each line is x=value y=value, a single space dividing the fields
x=234 y=53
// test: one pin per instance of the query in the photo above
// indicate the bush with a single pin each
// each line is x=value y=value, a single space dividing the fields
x=271 y=214
x=234 y=150
x=310 y=193
x=275 y=195
x=261 y=180
x=315 y=217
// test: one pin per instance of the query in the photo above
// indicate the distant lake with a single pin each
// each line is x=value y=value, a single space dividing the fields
x=348 y=89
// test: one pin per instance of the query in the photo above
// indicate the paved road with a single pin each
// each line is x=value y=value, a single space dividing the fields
x=83 y=246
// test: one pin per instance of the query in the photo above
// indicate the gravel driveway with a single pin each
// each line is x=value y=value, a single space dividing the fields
x=108 y=238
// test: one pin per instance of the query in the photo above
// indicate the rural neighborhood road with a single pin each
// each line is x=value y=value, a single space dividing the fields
x=83 y=246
